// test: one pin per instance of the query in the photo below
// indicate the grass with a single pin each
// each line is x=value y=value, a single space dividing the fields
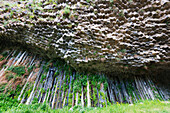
x=145 y=106
x=155 y=106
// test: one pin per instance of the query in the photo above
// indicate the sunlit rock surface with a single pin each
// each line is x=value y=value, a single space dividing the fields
x=94 y=35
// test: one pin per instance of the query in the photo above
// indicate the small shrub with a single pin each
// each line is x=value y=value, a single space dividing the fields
x=111 y=1
x=66 y=10
x=2 y=58
x=87 y=1
x=121 y=13
x=9 y=77
x=19 y=70
x=35 y=100
x=58 y=24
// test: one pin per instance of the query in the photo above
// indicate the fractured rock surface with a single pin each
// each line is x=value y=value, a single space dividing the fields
x=108 y=36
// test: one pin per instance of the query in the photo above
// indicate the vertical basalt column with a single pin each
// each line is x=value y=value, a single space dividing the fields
x=69 y=90
x=88 y=94
x=54 y=98
x=82 y=97
x=110 y=90
x=22 y=91
x=57 y=86
x=36 y=82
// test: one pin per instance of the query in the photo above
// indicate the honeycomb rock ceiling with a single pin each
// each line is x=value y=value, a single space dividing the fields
x=93 y=35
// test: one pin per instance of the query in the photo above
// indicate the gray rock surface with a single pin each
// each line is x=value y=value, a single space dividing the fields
x=107 y=36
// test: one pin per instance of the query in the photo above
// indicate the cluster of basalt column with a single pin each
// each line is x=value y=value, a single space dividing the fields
x=56 y=84
x=124 y=34
x=15 y=58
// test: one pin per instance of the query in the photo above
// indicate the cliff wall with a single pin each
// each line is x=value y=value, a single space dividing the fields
x=94 y=35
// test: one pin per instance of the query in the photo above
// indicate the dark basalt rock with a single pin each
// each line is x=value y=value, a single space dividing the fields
x=98 y=36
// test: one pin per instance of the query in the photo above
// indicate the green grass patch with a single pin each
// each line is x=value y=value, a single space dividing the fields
x=155 y=106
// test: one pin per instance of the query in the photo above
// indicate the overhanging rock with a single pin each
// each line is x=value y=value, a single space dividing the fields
x=106 y=36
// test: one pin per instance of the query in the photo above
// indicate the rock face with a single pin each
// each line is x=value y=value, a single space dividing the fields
x=33 y=80
x=107 y=36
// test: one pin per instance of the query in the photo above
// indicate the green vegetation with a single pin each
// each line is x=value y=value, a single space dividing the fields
x=123 y=50
x=19 y=70
x=11 y=106
x=66 y=10
x=130 y=0
x=2 y=58
x=9 y=77
x=58 y=24
x=111 y=1
x=6 y=102
x=108 y=46
x=121 y=13
x=98 y=85
x=30 y=68
x=88 y=1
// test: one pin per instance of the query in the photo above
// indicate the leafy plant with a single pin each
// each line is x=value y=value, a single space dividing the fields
x=87 y=1
x=30 y=68
x=108 y=47
x=10 y=76
x=2 y=58
x=105 y=85
x=111 y=1
x=121 y=13
x=19 y=70
x=66 y=10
